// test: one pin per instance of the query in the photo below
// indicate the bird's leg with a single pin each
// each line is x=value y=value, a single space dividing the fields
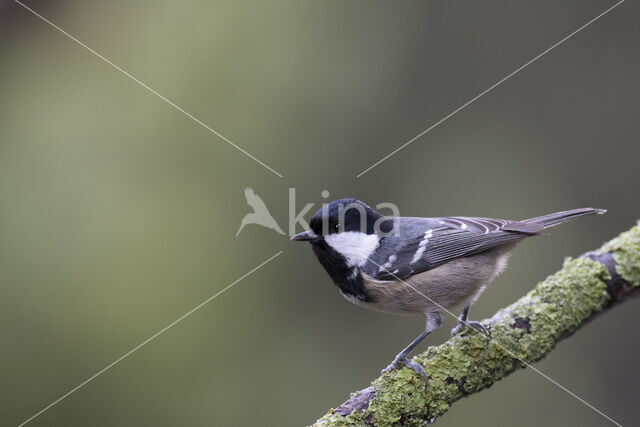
x=463 y=323
x=433 y=322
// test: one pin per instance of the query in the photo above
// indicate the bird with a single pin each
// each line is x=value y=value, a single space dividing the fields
x=417 y=265
x=260 y=214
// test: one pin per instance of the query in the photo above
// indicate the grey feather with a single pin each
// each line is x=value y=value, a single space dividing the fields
x=560 y=217
x=422 y=244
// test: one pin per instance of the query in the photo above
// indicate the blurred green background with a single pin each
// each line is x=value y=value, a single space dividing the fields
x=118 y=213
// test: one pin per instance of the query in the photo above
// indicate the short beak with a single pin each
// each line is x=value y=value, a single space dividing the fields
x=304 y=236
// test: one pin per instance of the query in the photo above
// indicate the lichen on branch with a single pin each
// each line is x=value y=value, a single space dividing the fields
x=521 y=334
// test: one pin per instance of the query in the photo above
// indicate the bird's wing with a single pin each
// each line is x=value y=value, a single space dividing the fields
x=255 y=201
x=426 y=243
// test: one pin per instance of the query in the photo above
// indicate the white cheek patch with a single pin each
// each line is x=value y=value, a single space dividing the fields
x=355 y=246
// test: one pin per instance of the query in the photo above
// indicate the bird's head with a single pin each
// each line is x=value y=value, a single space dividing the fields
x=348 y=226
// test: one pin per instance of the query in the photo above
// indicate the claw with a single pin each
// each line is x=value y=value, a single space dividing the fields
x=417 y=368
x=457 y=329
x=472 y=323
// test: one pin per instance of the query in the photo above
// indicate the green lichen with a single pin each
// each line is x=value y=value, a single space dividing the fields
x=559 y=305
x=525 y=331
x=626 y=252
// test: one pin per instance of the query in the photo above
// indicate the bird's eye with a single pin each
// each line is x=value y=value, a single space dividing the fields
x=337 y=227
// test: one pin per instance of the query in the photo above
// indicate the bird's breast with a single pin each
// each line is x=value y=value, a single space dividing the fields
x=450 y=286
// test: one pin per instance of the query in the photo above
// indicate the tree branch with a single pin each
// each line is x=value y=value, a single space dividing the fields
x=529 y=329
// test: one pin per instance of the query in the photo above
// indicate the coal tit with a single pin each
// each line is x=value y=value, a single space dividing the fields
x=417 y=265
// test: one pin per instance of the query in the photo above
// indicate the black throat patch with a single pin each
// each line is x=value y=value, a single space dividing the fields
x=340 y=272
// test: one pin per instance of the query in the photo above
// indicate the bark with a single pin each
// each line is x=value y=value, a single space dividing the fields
x=522 y=333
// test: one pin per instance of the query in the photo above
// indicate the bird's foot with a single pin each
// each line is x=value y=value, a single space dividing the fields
x=401 y=362
x=461 y=326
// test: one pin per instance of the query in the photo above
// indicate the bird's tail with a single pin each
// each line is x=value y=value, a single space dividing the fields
x=560 y=217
